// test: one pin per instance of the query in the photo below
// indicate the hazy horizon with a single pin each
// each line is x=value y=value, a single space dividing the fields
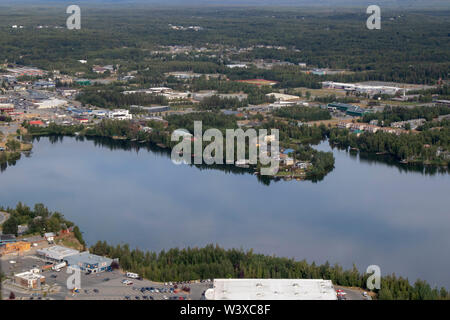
x=404 y=4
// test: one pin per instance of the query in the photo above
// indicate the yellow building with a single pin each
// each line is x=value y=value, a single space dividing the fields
x=20 y=246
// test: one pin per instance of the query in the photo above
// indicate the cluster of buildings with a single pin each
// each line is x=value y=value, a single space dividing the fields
x=168 y=93
x=85 y=261
x=349 y=109
x=364 y=127
x=409 y=124
x=57 y=257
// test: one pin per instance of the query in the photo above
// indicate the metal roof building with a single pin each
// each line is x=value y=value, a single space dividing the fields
x=89 y=262
x=271 y=289
x=56 y=253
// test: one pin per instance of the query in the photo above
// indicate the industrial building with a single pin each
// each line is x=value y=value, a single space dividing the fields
x=271 y=289
x=56 y=253
x=89 y=262
x=347 y=108
x=363 y=88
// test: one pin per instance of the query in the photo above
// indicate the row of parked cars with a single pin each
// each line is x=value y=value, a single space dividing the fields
x=157 y=290
x=151 y=298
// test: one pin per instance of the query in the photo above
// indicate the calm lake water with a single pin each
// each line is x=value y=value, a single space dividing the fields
x=363 y=212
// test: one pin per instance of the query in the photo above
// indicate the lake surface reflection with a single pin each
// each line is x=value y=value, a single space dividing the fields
x=363 y=212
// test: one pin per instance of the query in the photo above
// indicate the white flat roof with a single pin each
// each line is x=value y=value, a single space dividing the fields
x=57 y=252
x=271 y=289
x=28 y=275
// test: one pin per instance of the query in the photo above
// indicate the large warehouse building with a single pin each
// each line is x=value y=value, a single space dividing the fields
x=56 y=253
x=271 y=289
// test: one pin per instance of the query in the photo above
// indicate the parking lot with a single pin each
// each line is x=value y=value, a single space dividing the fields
x=99 y=286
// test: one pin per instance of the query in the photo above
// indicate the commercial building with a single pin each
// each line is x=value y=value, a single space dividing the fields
x=29 y=279
x=120 y=114
x=271 y=289
x=56 y=253
x=89 y=262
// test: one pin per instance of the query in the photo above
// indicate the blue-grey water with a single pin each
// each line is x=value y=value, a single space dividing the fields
x=363 y=212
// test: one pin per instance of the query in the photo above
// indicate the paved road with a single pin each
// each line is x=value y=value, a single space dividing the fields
x=353 y=294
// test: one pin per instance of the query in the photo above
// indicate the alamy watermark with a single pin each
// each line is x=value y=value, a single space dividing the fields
x=374 y=20
x=213 y=153
x=73 y=22
x=74 y=280
x=374 y=280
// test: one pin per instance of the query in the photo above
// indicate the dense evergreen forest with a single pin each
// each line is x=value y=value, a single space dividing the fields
x=412 y=46
x=303 y=113
x=215 y=262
